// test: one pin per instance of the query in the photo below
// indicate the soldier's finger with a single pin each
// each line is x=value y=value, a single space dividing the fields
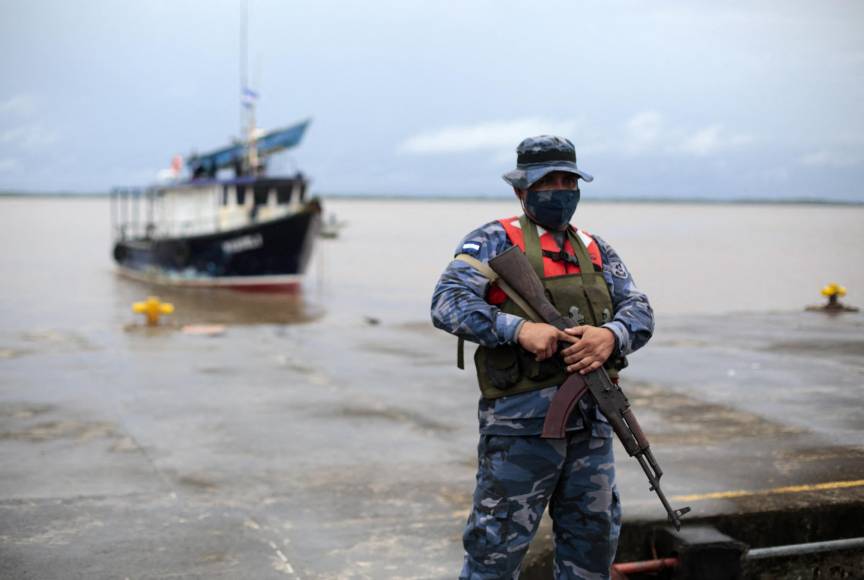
x=575 y=330
x=580 y=349
x=592 y=367
x=564 y=337
x=578 y=365
x=570 y=349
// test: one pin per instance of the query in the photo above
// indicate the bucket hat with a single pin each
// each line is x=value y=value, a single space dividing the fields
x=538 y=156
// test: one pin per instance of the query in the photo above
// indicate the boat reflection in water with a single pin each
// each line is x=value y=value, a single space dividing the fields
x=248 y=231
x=205 y=306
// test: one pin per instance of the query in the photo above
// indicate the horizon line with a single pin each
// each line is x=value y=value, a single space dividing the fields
x=502 y=197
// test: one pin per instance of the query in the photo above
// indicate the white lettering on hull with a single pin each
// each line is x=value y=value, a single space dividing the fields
x=242 y=244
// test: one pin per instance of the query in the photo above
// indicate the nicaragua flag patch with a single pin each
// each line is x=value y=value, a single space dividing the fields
x=471 y=248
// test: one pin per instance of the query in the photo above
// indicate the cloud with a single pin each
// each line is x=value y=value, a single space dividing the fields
x=643 y=131
x=22 y=132
x=775 y=174
x=30 y=137
x=713 y=139
x=648 y=132
x=493 y=136
x=703 y=141
x=8 y=164
x=827 y=158
x=18 y=105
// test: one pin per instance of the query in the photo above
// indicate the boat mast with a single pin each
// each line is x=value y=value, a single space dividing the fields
x=248 y=98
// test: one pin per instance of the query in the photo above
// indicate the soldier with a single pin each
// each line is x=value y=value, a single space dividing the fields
x=519 y=370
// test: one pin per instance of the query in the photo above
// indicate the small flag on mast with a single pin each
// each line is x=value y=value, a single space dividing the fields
x=249 y=97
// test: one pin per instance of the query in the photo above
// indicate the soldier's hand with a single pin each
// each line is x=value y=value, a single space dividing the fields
x=594 y=345
x=541 y=339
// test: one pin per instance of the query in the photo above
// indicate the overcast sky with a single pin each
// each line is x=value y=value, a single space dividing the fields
x=676 y=99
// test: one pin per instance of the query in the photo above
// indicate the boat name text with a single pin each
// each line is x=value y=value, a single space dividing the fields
x=242 y=244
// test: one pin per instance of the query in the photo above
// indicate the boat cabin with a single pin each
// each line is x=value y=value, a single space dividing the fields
x=203 y=207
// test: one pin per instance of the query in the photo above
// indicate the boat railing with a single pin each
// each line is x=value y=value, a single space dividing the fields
x=131 y=212
x=134 y=216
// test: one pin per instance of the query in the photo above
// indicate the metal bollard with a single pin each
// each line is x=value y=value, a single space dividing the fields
x=703 y=552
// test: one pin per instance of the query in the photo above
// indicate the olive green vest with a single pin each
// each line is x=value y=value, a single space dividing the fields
x=510 y=369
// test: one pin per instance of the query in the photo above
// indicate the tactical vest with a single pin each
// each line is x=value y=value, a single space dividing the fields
x=574 y=283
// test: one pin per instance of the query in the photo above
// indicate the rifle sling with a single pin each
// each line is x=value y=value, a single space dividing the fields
x=570 y=391
x=504 y=286
x=562 y=405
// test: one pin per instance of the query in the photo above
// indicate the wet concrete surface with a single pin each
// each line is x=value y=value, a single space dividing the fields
x=343 y=449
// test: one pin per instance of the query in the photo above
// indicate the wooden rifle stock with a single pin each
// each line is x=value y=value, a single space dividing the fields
x=516 y=272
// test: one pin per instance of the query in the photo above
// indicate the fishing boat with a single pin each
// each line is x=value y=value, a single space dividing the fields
x=245 y=230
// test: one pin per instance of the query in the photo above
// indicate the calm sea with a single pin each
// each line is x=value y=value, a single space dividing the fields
x=690 y=258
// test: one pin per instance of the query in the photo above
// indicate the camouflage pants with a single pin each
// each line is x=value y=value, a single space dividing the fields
x=516 y=478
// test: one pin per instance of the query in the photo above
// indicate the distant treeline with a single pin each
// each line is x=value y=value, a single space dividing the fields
x=597 y=199
x=500 y=197
x=65 y=194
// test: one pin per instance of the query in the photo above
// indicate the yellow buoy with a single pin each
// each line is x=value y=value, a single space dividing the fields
x=833 y=292
x=833 y=289
x=152 y=308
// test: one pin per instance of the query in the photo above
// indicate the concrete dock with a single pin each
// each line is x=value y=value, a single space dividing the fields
x=345 y=448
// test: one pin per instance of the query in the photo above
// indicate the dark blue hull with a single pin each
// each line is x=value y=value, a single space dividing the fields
x=264 y=255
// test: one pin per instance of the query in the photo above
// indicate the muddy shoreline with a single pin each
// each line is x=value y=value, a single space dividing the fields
x=254 y=454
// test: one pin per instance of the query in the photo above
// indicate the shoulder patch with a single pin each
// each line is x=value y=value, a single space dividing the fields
x=472 y=248
x=618 y=269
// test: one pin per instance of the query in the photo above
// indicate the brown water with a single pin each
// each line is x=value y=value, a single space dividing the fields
x=352 y=444
x=58 y=274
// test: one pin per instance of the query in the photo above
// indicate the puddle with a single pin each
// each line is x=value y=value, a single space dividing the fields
x=393 y=414
x=689 y=421
x=23 y=410
x=52 y=430
x=197 y=482
x=34 y=423
x=47 y=341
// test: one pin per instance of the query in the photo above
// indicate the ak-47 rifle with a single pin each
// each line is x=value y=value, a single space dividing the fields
x=516 y=271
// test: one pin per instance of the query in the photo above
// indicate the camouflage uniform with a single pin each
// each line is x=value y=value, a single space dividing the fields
x=519 y=473
x=517 y=478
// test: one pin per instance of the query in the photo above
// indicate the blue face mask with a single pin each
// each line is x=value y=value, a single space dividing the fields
x=551 y=208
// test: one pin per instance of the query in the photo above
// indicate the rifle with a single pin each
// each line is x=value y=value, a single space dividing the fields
x=517 y=276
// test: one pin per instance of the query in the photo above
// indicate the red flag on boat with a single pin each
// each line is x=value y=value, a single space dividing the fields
x=176 y=164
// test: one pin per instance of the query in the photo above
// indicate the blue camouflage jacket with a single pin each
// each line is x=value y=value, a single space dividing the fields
x=459 y=307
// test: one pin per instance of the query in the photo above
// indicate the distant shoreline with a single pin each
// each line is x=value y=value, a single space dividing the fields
x=63 y=194
x=496 y=198
x=590 y=200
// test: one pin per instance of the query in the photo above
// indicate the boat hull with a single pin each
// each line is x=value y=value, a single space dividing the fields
x=263 y=256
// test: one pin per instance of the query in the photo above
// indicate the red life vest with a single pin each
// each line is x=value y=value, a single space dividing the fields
x=551 y=268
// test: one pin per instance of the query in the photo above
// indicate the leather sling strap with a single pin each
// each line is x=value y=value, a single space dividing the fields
x=505 y=287
x=562 y=405
x=490 y=274
x=570 y=391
